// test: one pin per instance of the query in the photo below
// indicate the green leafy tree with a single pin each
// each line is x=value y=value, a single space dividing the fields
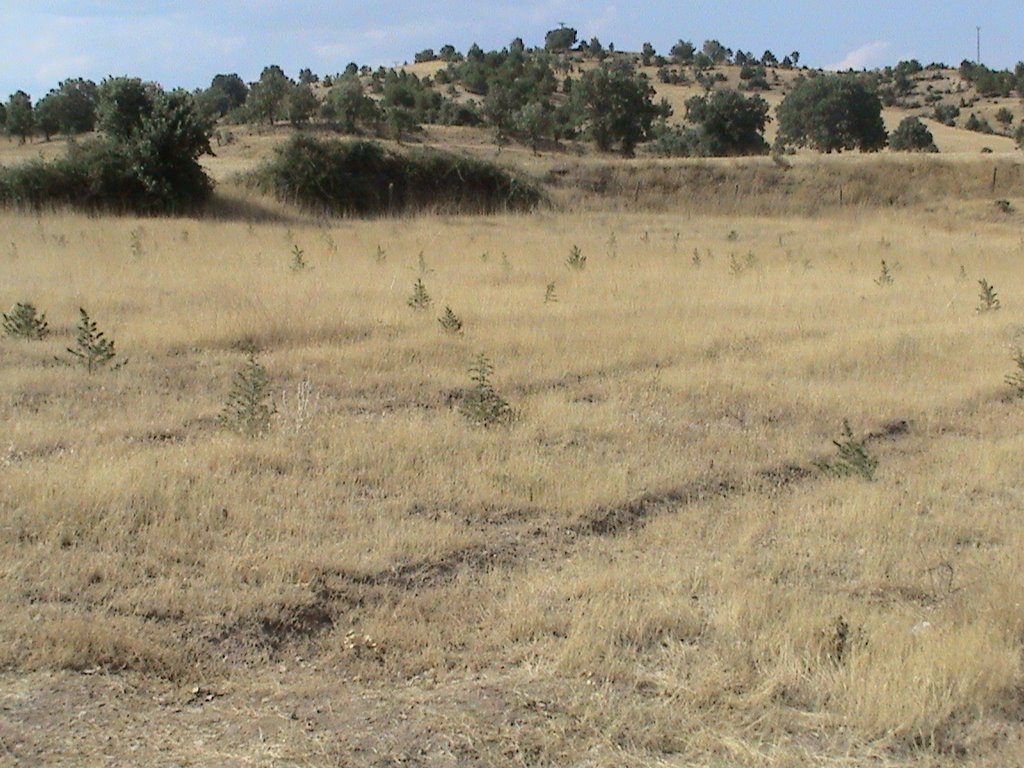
x=536 y=121
x=616 y=104
x=729 y=123
x=647 y=54
x=912 y=136
x=21 y=118
x=560 y=40
x=70 y=108
x=307 y=77
x=46 y=116
x=683 y=52
x=226 y=92
x=717 y=52
x=350 y=106
x=302 y=104
x=163 y=152
x=268 y=96
x=124 y=102
x=832 y=113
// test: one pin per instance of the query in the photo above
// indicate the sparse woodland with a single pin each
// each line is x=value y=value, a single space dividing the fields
x=593 y=460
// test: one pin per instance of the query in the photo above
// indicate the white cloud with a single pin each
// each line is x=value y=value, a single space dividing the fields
x=864 y=57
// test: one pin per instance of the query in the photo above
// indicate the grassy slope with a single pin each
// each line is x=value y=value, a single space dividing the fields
x=645 y=568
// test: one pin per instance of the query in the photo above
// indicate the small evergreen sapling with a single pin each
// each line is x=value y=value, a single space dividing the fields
x=420 y=299
x=885 y=276
x=450 y=322
x=576 y=260
x=549 y=294
x=92 y=350
x=988 y=300
x=853 y=459
x=482 y=405
x=25 y=323
x=1016 y=379
x=248 y=409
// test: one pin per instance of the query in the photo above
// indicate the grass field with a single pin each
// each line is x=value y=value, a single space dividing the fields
x=648 y=566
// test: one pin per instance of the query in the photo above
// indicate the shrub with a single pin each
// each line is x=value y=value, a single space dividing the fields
x=912 y=136
x=978 y=124
x=148 y=163
x=728 y=124
x=946 y=113
x=363 y=178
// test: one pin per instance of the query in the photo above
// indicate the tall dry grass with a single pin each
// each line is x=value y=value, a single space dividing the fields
x=649 y=542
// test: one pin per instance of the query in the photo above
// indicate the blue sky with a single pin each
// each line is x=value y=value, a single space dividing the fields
x=186 y=42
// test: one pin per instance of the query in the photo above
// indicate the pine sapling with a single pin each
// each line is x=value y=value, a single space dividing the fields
x=853 y=458
x=248 y=408
x=988 y=300
x=549 y=294
x=450 y=322
x=482 y=405
x=1016 y=379
x=298 y=263
x=420 y=299
x=91 y=349
x=885 y=277
x=25 y=323
x=576 y=259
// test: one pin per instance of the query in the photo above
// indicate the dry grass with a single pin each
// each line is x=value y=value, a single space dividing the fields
x=645 y=568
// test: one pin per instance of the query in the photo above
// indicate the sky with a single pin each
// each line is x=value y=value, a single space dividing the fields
x=184 y=43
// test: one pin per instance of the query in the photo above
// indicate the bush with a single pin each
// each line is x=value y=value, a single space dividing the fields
x=912 y=136
x=363 y=178
x=946 y=113
x=148 y=163
x=978 y=124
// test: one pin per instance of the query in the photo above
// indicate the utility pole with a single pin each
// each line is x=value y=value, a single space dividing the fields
x=978 y=59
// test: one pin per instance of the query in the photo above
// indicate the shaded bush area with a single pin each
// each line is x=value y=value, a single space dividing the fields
x=148 y=165
x=363 y=178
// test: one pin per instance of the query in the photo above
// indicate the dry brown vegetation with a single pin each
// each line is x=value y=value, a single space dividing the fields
x=646 y=567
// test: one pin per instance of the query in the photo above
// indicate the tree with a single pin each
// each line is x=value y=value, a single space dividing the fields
x=302 y=104
x=448 y=53
x=912 y=136
x=164 y=150
x=831 y=113
x=646 y=54
x=70 y=108
x=768 y=59
x=307 y=77
x=46 y=115
x=350 y=106
x=615 y=102
x=560 y=40
x=21 y=119
x=728 y=123
x=536 y=121
x=267 y=96
x=1004 y=116
x=717 y=52
x=682 y=52
x=124 y=102
x=226 y=92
